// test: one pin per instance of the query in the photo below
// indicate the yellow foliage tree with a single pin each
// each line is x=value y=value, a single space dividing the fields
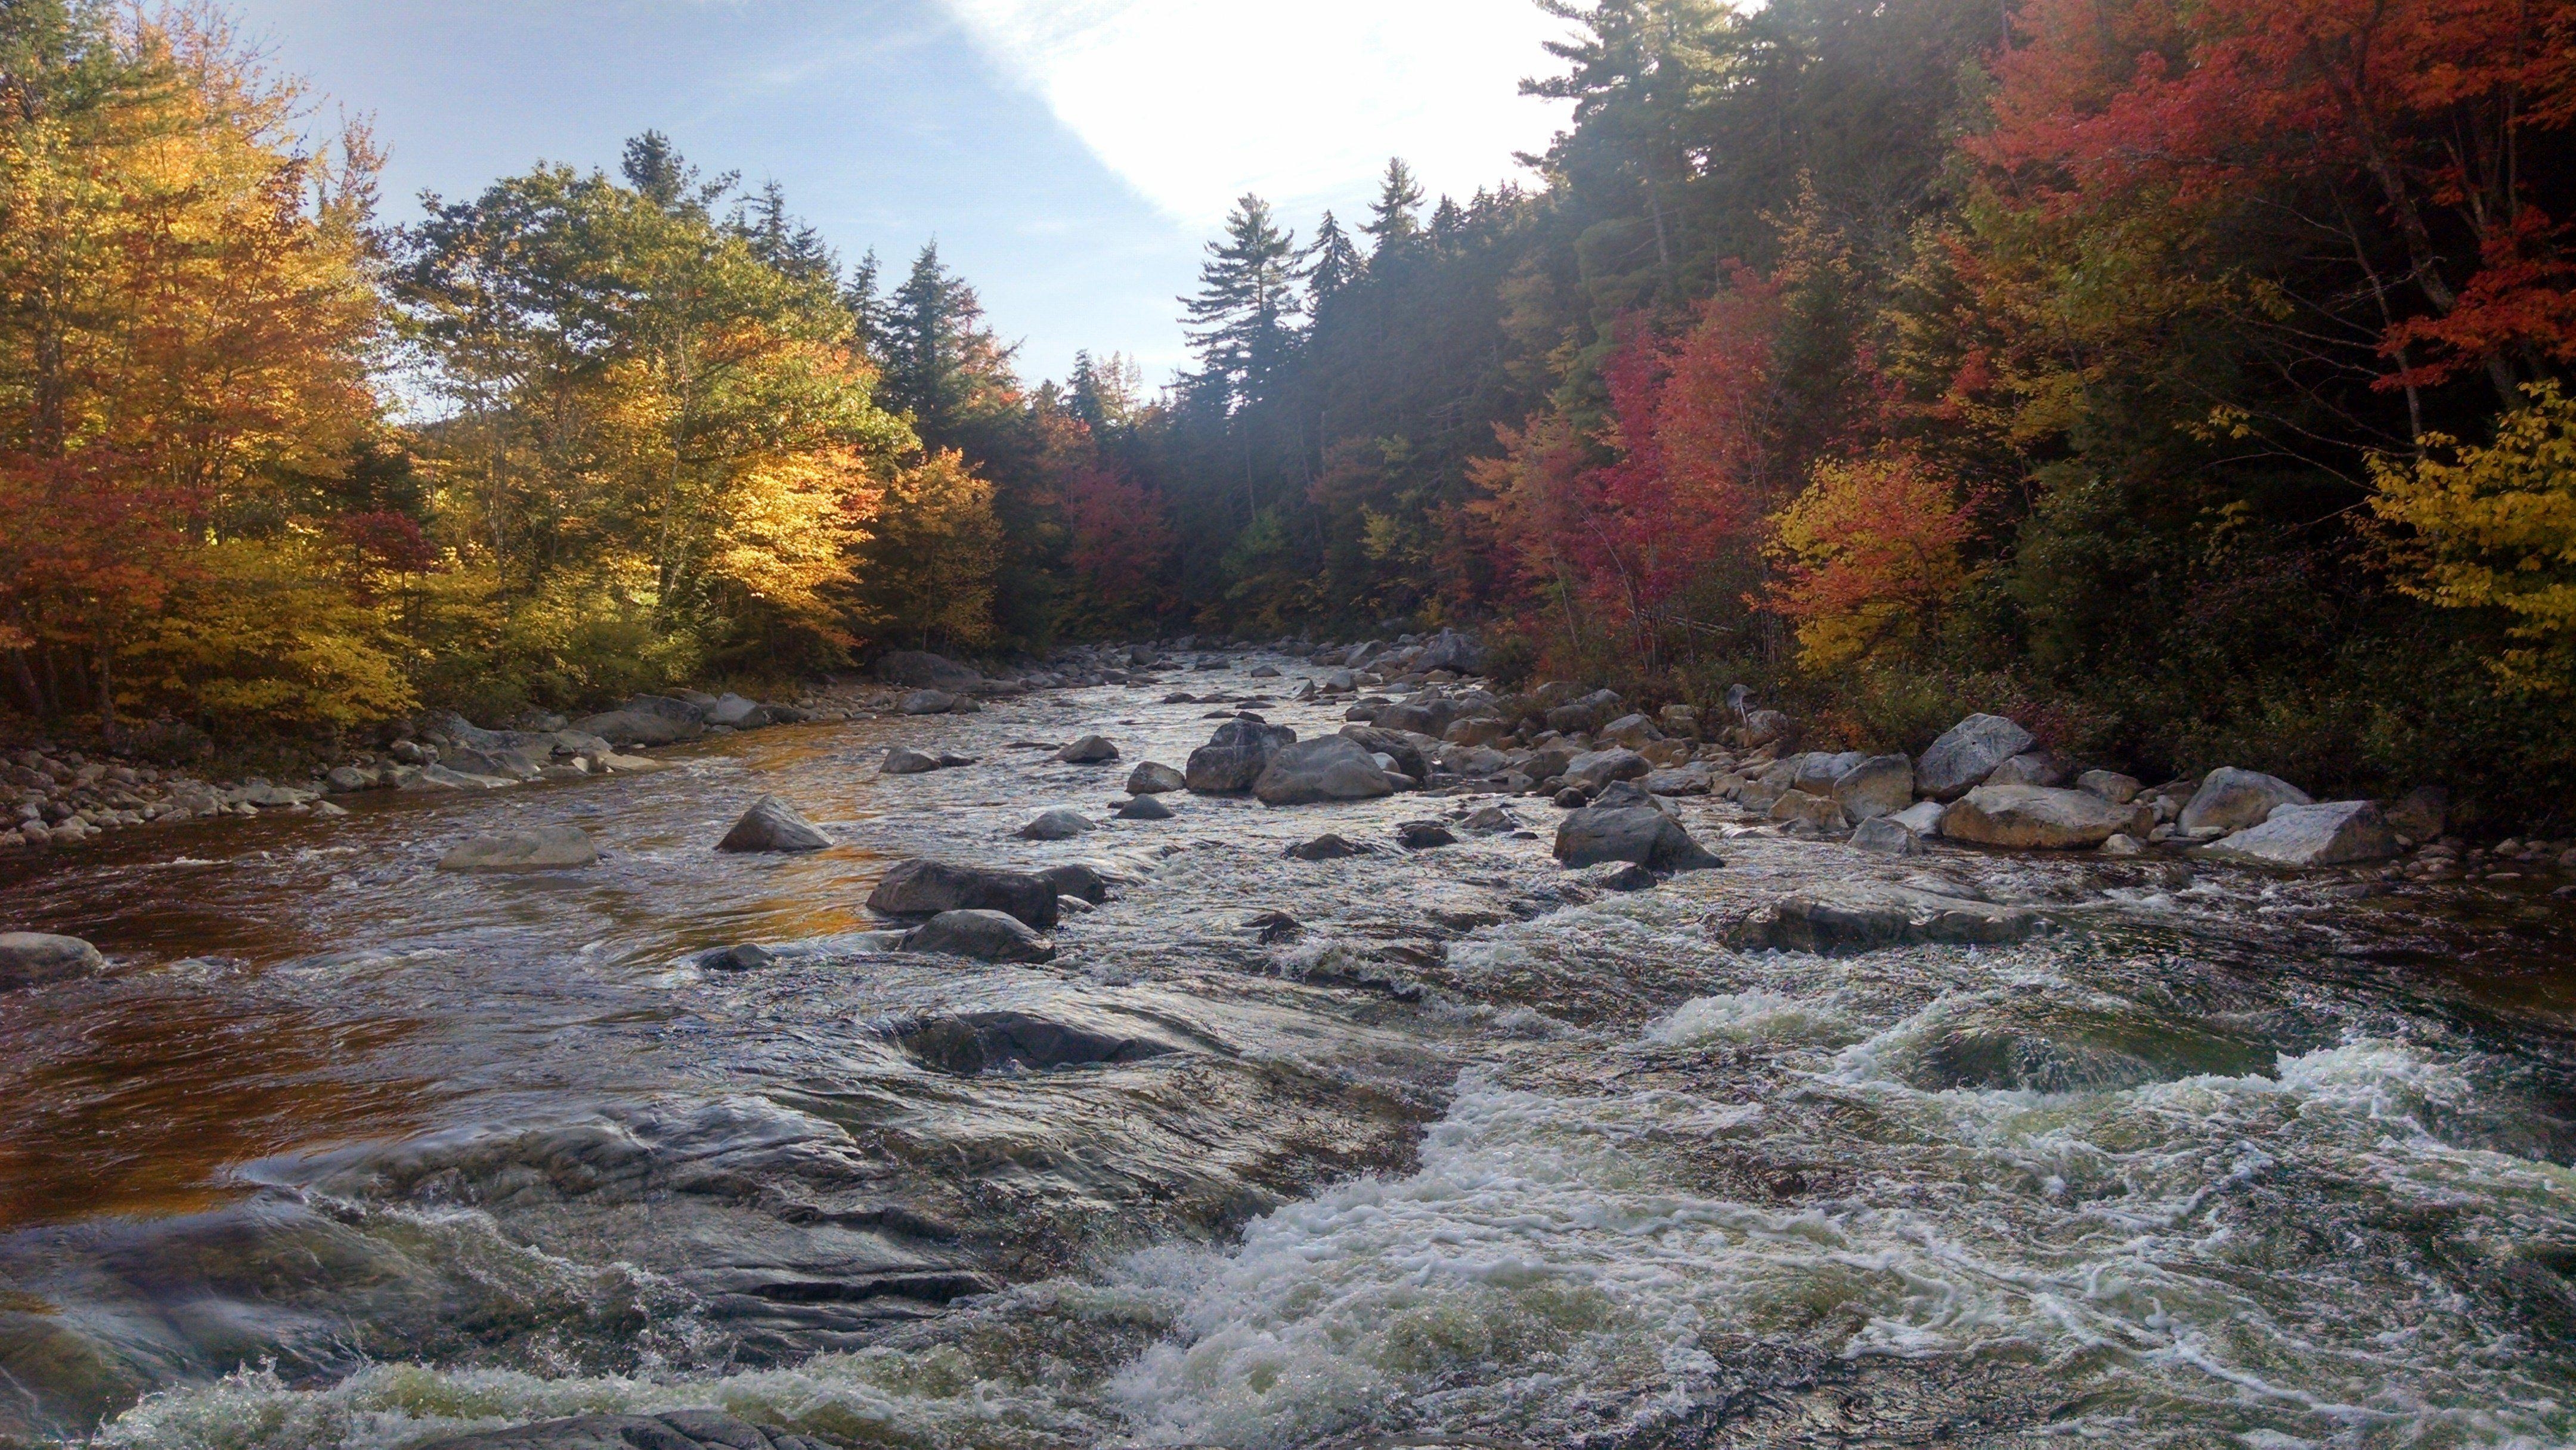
x=1869 y=554
x=927 y=574
x=2495 y=528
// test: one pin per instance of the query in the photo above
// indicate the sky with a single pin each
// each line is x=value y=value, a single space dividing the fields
x=1070 y=157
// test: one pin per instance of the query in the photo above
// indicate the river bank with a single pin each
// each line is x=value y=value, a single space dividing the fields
x=1279 y=1149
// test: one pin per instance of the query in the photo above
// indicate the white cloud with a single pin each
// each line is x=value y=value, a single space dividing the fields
x=1195 y=102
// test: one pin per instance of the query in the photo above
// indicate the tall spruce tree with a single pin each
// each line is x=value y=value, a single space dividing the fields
x=941 y=362
x=1240 y=321
x=1332 y=263
x=1392 y=223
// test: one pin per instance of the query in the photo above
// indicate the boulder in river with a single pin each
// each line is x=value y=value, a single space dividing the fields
x=547 y=848
x=2031 y=767
x=2034 y=817
x=2231 y=800
x=1153 y=778
x=1142 y=808
x=1327 y=768
x=1326 y=847
x=1492 y=821
x=647 y=720
x=1881 y=835
x=1596 y=768
x=925 y=888
x=1966 y=754
x=1394 y=745
x=1234 y=757
x=1089 y=750
x=1079 y=882
x=33 y=958
x=2333 y=833
x=1798 y=807
x=1866 y=916
x=670 y=1430
x=923 y=670
x=773 y=825
x=1881 y=785
x=989 y=936
x=927 y=702
x=1423 y=835
x=2110 y=785
x=1450 y=650
x=1640 y=834
x=1923 y=818
x=904 y=760
x=740 y=957
x=969 y=1043
x=1060 y=824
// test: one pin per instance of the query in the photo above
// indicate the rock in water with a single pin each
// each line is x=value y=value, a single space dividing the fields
x=974 y=1042
x=773 y=825
x=903 y=760
x=1089 y=750
x=1408 y=757
x=1423 y=835
x=1326 y=847
x=1328 y=768
x=1863 y=916
x=1640 y=834
x=2033 y=816
x=1061 y=824
x=1882 y=835
x=924 y=888
x=672 y=1430
x=744 y=957
x=2335 y=833
x=1143 y=808
x=1079 y=882
x=548 y=848
x=2230 y=800
x=922 y=670
x=647 y=720
x=1966 y=754
x=990 y=936
x=1150 y=778
x=1235 y=756
x=1596 y=768
x=1493 y=821
x=927 y=702
x=33 y=958
x=1882 y=785
x=2124 y=844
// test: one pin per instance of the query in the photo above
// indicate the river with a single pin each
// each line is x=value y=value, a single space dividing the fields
x=349 y=1152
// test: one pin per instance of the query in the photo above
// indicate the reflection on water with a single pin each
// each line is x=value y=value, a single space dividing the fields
x=347 y=1151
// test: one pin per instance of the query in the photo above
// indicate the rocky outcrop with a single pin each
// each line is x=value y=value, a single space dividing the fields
x=987 y=936
x=1865 y=916
x=33 y=958
x=2231 y=800
x=1089 y=750
x=2334 y=833
x=1329 y=768
x=925 y=888
x=547 y=848
x=1151 y=778
x=1234 y=757
x=1966 y=754
x=1638 y=834
x=773 y=825
x=2034 y=817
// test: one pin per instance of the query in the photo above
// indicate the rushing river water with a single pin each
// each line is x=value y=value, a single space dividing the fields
x=349 y=1152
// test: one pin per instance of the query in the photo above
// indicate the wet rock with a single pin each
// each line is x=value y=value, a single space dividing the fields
x=1631 y=793
x=1080 y=882
x=773 y=825
x=1234 y=757
x=988 y=936
x=2231 y=800
x=904 y=760
x=2422 y=814
x=1596 y=768
x=1328 y=768
x=1274 y=927
x=1638 y=834
x=1326 y=847
x=548 y=848
x=1966 y=754
x=2033 y=817
x=673 y=1430
x=1151 y=778
x=2333 y=833
x=1571 y=798
x=970 y=1043
x=1492 y=821
x=1615 y=876
x=1882 y=835
x=348 y=779
x=1142 y=808
x=1060 y=824
x=1880 y=785
x=1863 y=916
x=1089 y=750
x=2110 y=785
x=927 y=702
x=1423 y=835
x=33 y=958
x=742 y=957
x=925 y=888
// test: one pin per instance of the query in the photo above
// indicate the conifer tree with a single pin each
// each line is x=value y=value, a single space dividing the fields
x=1332 y=263
x=1239 y=321
x=1392 y=222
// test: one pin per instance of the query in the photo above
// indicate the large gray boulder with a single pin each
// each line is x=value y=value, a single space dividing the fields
x=926 y=671
x=647 y=720
x=773 y=825
x=2231 y=800
x=904 y=760
x=988 y=936
x=2034 y=817
x=1638 y=834
x=33 y=958
x=1866 y=916
x=547 y=848
x=1394 y=745
x=1923 y=818
x=1595 y=769
x=1327 y=768
x=1883 y=836
x=1234 y=757
x=1966 y=754
x=927 y=702
x=1881 y=785
x=925 y=888
x=1151 y=778
x=670 y=1430
x=2334 y=833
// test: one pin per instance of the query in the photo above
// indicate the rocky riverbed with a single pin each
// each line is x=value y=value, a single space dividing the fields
x=1439 y=1082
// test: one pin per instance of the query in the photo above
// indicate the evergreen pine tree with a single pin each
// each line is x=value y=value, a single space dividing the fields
x=781 y=239
x=1239 y=321
x=1332 y=263
x=940 y=359
x=870 y=312
x=654 y=167
x=1391 y=217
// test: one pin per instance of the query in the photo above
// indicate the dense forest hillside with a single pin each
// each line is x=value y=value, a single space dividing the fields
x=2185 y=380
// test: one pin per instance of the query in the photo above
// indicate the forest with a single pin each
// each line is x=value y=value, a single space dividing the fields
x=2188 y=381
